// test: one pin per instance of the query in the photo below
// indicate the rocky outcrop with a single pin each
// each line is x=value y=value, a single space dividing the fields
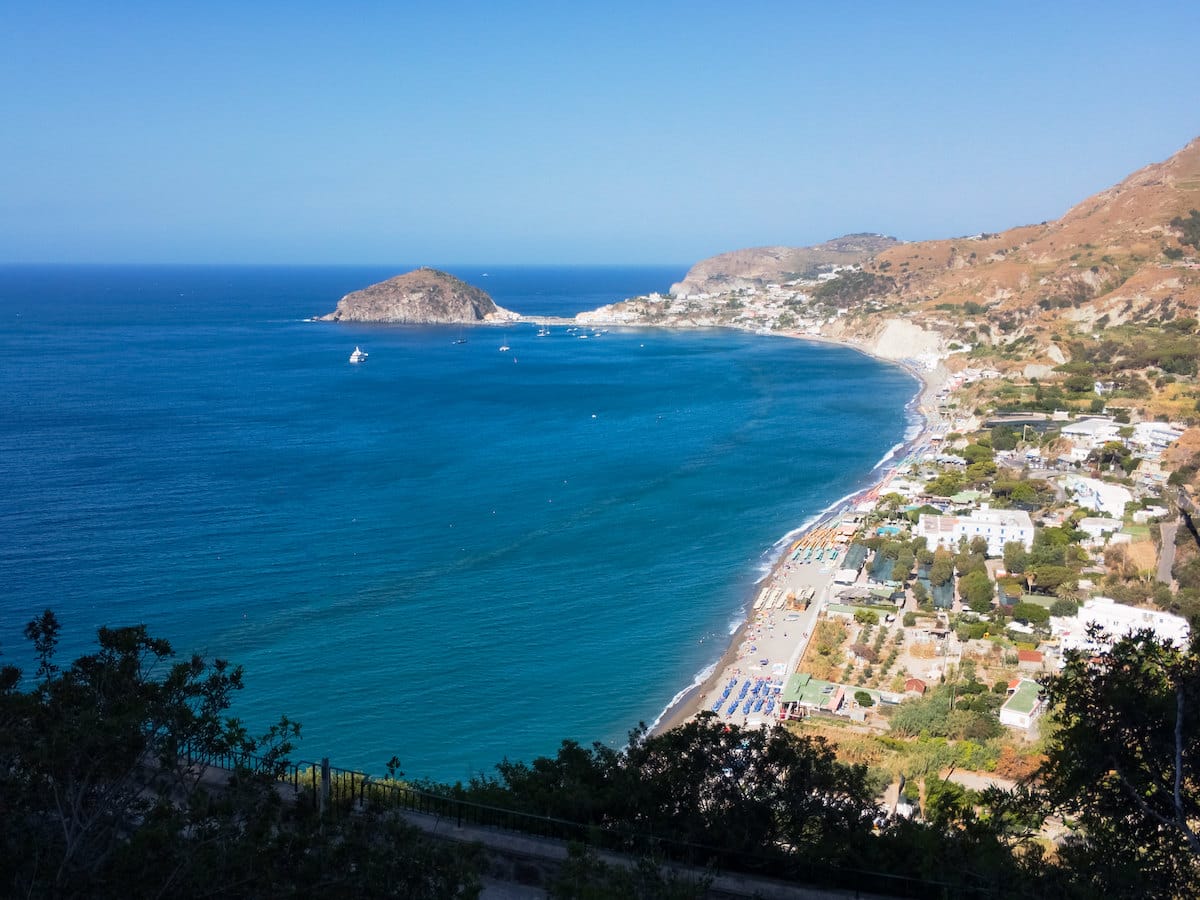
x=758 y=266
x=422 y=297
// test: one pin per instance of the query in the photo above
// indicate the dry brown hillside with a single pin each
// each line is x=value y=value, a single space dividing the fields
x=1115 y=258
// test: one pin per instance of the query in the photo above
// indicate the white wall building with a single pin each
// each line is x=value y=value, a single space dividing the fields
x=1096 y=527
x=1092 y=433
x=1023 y=705
x=1154 y=437
x=1117 y=620
x=1098 y=495
x=997 y=526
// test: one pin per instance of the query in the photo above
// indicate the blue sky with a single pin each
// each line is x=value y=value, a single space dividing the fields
x=566 y=132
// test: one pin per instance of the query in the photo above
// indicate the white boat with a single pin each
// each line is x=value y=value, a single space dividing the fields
x=358 y=355
x=504 y=348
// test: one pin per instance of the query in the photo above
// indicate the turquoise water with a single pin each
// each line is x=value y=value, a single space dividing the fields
x=448 y=553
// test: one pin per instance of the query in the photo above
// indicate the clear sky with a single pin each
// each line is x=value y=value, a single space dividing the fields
x=544 y=132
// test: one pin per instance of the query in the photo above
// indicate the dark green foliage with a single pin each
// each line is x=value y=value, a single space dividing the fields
x=853 y=287
x=945 y=485
x=949 y=711
x=1190 y=226
x=1005 y=437
x=1127 y=731
x=1015 y=557
x=1047 y=579
x=1064 y=608
x=749 y=791
x=862 y=698
x=98 y=799
x=976 y=590
x=942 y=569
x=1031 y=614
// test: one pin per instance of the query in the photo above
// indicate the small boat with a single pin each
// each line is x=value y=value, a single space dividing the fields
x=460 y=340
x=358 y=355
x=504 y=348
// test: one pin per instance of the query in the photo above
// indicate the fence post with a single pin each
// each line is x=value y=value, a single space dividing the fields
x=325 y=786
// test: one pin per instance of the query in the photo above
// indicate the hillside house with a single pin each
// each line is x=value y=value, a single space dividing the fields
x=1024 y=704
x=1117 y=620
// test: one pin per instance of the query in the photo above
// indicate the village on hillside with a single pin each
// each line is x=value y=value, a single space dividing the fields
x=944 y=595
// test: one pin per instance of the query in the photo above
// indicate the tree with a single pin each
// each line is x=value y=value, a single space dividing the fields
x=976 y=453
x=1015 y=557
x=942 y=568
x=1005 y=437
x=1122 y=761
x=103 y=797
x=1031 y=613
x=905 y=560
x=945 y=485
x=976 y=590
x=863 y=699
x=866 y=617
x=1064 y=608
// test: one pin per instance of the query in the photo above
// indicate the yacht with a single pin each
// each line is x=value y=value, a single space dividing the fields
x=358 y=355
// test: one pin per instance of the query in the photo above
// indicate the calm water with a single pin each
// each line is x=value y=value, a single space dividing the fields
x=448 y=553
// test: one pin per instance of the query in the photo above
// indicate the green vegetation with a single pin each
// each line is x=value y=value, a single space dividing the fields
x=976 y=590
x=100 y=799
x=853 y=287
x=1119 y=762
x=1190 y=226
x=960 y=712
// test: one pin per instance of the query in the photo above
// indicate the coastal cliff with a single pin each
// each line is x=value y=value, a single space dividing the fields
x=758 y=266
x=421 y=297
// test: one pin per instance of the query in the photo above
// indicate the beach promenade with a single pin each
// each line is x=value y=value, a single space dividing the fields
x=781 y=617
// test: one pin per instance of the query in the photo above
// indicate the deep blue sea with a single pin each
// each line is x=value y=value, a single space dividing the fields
x=448 y=553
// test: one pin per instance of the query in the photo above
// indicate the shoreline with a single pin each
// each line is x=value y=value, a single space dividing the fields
x=922 y=403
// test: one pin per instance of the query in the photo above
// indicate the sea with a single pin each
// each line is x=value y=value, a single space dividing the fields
x=448 y=553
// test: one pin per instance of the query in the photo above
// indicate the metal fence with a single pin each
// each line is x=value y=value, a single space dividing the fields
x=338 y=792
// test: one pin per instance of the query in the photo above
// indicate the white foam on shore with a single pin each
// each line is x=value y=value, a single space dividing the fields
x=915 y=425
x=891 y=454
x=700 y=677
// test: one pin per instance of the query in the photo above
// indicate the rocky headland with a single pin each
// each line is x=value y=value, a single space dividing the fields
x=421 y=297
x=756 y=267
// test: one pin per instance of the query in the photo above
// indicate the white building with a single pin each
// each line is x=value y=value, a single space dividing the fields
x=1117 y=620
x=1092 y=433
x=997 y=526
x=1154 y=437
x=1097 y=527
x=1098 y=495
x=1024 y=704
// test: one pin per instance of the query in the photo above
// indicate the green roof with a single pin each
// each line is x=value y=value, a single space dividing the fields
x=803 y=688
x=1025 y=698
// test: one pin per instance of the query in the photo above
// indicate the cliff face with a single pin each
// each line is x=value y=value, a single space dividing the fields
x=421 y=297
x=759 y=266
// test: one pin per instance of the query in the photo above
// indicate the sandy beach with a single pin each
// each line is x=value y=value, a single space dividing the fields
x=772 y=640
